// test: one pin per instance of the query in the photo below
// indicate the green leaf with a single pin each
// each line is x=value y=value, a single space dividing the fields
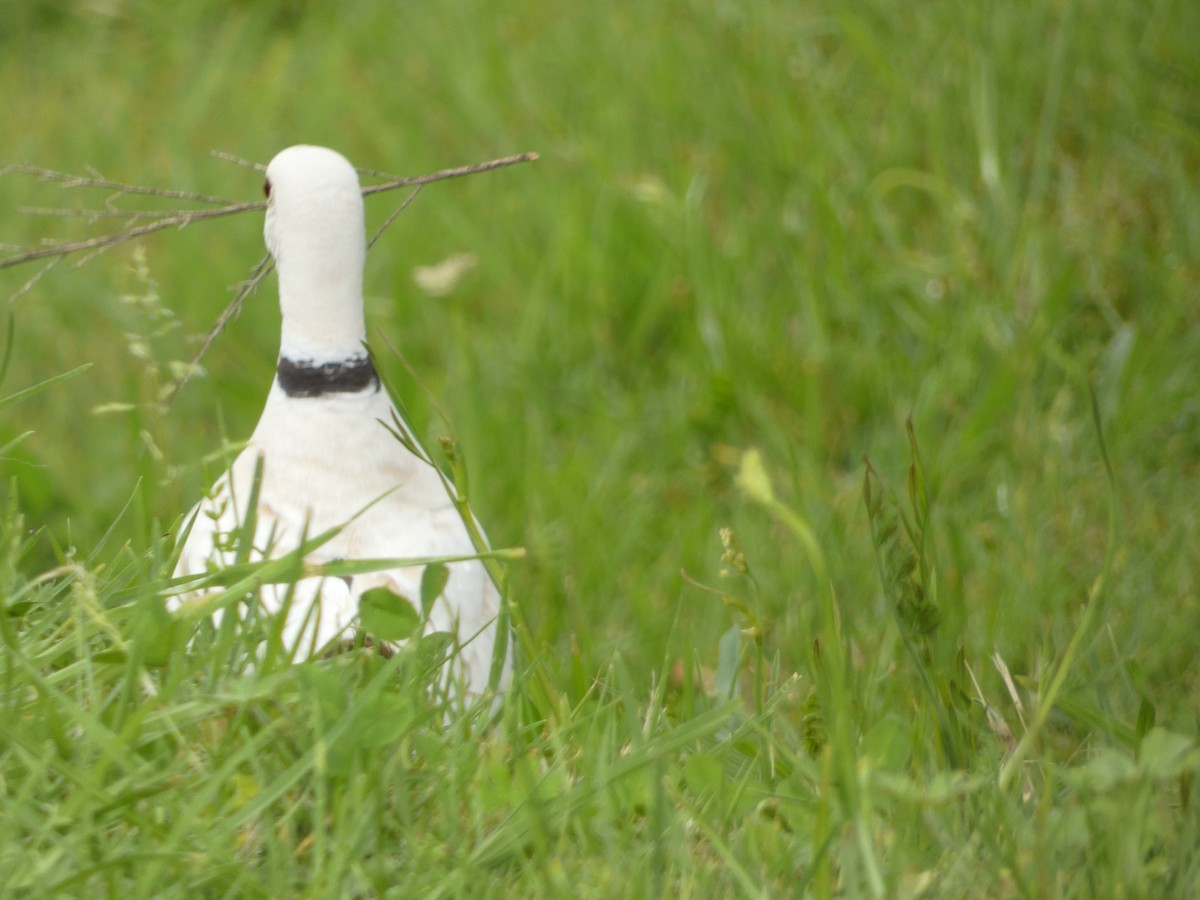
x=943 y=787
x=245 y=789
x=326 y=689
x=41 y=386
x=18 y=439
x=704 y=774
x=752 y=478
x=1166 y=754
x=1145 y=720
x=435 y=648
x=887 y=745
x=340 y=568
x=9 y=334
x=433 y=582
x=387 y=615
x=728 y=658
x=385 y=719
x=1104 y=771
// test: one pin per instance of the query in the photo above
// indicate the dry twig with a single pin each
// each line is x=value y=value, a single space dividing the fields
x=118 y=187
x=184 y=217
x=180 y=218
x=103 y=242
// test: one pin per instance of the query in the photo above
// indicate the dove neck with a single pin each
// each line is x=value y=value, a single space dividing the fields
x=323 y=320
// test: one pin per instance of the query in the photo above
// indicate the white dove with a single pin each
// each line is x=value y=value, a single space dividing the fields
x=327 y=459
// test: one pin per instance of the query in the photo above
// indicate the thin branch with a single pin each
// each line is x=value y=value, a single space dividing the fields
x=94 y=246
x=396 y=182
x=237 y=160
x=107 y=241
x=28 y=285
x=264 y=268
x=70 y=181
x=94 y=214
x=387 y=223
x=182 y=218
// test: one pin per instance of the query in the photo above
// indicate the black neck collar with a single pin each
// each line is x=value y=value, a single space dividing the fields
x=309 y=379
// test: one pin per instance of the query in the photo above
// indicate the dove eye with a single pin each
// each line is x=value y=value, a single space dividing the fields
x=267 y=188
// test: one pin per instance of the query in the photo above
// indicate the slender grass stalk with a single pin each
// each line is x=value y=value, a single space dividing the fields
x=1095 y=601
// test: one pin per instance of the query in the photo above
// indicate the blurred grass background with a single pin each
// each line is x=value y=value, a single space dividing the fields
x=788 y=226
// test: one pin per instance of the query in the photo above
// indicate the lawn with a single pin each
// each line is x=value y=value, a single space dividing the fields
x=836 y=366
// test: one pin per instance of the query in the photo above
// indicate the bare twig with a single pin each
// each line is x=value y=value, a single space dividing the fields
x=69 y=181
x=264 y=268
x=182 y=218
x=93 y=214
x=387 y=223
x=108 y=241
x=25 y=288
x=394 y=182
x=237 y=160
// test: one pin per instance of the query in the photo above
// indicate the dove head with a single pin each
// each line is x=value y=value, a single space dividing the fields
x=314 y=230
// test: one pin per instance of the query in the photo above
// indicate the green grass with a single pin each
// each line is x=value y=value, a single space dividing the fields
x=771 y=227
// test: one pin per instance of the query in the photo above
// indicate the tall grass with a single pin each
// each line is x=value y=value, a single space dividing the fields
x=836 y=367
